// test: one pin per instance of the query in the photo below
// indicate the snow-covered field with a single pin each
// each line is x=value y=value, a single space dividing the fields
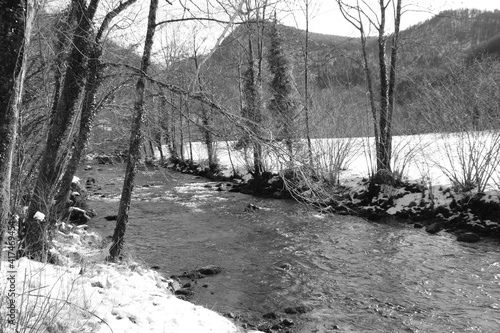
x=434 y=158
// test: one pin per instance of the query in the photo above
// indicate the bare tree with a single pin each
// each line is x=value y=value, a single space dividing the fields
x=252 y=80
x=306 y=82
x=360 y=15
x=205 y=118
x=135 y=139
x=35 y=242
x=94 y=73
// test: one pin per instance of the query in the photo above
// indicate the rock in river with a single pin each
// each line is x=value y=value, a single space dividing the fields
x=468 y=237
x=434 y=228
x=209 y=270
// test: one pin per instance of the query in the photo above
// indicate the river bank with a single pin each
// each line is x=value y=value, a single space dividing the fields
x=470 y=215
x=84 y=293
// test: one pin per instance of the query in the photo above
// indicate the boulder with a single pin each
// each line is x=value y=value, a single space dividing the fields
x=184 y=292
x=434 y=228
x=78 y=216
x=468 y=237
x=209 y=270
x=270 y=315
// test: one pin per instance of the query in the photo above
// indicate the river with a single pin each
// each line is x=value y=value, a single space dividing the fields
x=353 y=275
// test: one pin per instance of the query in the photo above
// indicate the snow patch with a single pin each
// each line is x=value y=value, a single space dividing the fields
x=39 y=216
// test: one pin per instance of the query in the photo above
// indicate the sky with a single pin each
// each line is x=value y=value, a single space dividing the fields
x=328 y=20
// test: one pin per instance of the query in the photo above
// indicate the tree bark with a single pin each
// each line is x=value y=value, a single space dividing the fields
x=35 y=243
x=88 y=108
x=306 y=86
x=135 y=140
x=205 y=119
x=181 y=128
x=16 y=18
x=382 y=154
x=392 y=79
x=87 y=115
x=167 y=126
x=251 y=109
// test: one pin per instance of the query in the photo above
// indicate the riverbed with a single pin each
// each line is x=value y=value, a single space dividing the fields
x=352 y=275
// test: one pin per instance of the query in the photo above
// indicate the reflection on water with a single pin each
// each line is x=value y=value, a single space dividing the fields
x=356 y=275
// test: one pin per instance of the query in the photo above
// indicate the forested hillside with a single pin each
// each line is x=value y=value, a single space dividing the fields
x=432 y=53
x=436 y=79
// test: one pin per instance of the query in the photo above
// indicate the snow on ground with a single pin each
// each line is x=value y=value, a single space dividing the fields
x=84 y=294
x=461 y=162
x=431 y=158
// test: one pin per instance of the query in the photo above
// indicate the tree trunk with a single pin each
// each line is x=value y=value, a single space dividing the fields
x=371 y=91
x=135 y=140
x=383 y=159
x=16 y=18
x=158 y=141
x=205 y=118
x=252 y=109
x=306 y=88
x=181 y=129
x=392 y=79
x=35 y=244
x=87 y=115
x=167 y=127
x=89 y=108
x=190 y=140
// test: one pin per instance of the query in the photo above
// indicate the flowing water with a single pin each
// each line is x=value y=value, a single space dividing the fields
x=355 y=275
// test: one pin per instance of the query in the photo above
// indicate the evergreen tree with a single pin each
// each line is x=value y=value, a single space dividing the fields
x=283 y=105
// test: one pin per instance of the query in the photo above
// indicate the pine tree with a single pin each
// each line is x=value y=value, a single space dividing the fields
x=283 y=105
